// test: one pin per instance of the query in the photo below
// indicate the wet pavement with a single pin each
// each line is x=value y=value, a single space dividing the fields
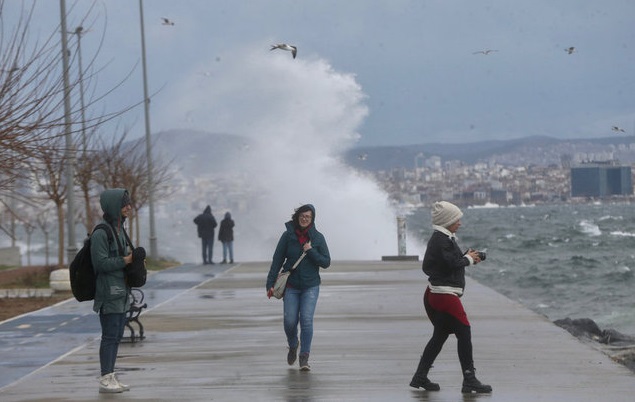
x=219 y=338
x=31 y=341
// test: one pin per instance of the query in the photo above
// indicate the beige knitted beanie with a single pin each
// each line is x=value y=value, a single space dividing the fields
x=445 y=214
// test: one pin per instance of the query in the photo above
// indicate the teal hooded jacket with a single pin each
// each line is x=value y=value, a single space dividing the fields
x=112 y=293
x=289 y=249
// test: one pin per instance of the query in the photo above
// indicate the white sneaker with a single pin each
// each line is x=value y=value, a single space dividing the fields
x=122 y=385
x=108 y=384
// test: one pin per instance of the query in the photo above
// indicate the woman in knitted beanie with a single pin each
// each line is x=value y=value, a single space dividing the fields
x=445 y=263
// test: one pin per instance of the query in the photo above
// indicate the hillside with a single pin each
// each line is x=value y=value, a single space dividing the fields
x=199 y=152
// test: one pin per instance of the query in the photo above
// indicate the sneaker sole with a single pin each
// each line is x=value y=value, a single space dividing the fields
x=428 y=387
x=110 y=391
x=470 y=390
x=305 y=368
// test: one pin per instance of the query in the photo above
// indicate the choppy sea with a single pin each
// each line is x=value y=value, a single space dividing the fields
x=561 y=261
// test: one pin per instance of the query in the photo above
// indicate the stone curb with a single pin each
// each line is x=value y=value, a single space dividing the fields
x=25 y=293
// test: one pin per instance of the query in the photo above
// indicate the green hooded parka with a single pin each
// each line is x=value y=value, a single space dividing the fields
x=112 y=293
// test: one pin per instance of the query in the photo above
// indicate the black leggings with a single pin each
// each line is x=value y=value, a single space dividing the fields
x=444 y=325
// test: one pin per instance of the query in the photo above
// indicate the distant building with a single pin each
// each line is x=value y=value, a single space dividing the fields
x=601 y=179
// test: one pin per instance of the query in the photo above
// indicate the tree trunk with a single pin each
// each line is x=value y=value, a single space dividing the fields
x=60 y=234
x=90 y=223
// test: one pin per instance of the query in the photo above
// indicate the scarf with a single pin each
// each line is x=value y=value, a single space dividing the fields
x=303 y=234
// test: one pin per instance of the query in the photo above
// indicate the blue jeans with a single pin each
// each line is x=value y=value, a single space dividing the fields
x=208 y=249
x=112 y=327
x=299 y=306
x=228 y=248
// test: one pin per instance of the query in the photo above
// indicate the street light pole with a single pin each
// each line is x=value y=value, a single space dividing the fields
x=79 y=31
x=71 y=248
x=146 y=102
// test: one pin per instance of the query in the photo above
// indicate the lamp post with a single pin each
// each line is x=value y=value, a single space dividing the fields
x=71 y=248
x=78 y=32
x=146 y=102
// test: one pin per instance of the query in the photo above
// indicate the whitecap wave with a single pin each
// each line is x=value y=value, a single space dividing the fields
x=622 y=234
x=590 y=228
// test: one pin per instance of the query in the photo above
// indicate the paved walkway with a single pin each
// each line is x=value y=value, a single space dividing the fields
x=223 y=341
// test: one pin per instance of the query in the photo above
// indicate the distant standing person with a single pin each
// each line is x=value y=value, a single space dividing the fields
x=112 y=293
x=303 y=286
x=226 y=237
x=445 y=263
x=206 y=223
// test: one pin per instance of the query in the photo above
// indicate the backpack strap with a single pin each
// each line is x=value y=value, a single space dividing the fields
x=106 y=228
x=110 y=233
x=128 y=239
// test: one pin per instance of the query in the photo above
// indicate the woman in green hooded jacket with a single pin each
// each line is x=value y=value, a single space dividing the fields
x=303 y=286
x=112 y=299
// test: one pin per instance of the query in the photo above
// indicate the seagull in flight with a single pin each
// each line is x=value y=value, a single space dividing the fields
x=284 y=46
x=570 y=50
x=166 y=21
x=485 y=52
x=619 y=130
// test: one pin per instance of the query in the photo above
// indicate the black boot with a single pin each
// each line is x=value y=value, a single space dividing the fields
x=472 y=384
x=420 y=380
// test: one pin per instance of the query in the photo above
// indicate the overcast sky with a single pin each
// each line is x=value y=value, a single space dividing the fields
x=407 y=69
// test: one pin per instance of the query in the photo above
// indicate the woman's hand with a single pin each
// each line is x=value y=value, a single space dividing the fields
x=128 y=259
x=474 y=255
x=270 y=293
x=307 y=246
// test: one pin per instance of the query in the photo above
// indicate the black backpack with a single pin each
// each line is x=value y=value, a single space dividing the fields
x=81 y=272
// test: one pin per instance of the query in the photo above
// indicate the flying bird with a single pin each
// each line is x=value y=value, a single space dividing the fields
x=284 y=46
x=166 y=21
x=570 y=50
x=619 y=130
x=485 y=52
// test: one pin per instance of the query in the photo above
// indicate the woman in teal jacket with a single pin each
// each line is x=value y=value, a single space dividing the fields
x=303 y=285
x=111 y=293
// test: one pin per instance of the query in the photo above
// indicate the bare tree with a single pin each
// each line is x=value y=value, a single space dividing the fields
x=85 y=170
x=31 y=99
x=48 y=169
x=43 y=222
x=123 y=164
x=28 y=228
x=31 y=103
x=30 y=95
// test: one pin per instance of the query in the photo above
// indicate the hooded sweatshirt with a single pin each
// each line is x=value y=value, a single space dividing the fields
x=226 y=230
x=111 y=294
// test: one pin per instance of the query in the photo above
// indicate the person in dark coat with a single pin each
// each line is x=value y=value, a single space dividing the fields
x=226 y=237
x=301 y=242
x=206 y=223
x=444 y=263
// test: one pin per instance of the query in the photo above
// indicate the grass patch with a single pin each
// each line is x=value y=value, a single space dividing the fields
x=160 y=264
x=27 y=278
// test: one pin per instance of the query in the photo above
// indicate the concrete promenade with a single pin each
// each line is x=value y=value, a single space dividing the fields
x=223 y=340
